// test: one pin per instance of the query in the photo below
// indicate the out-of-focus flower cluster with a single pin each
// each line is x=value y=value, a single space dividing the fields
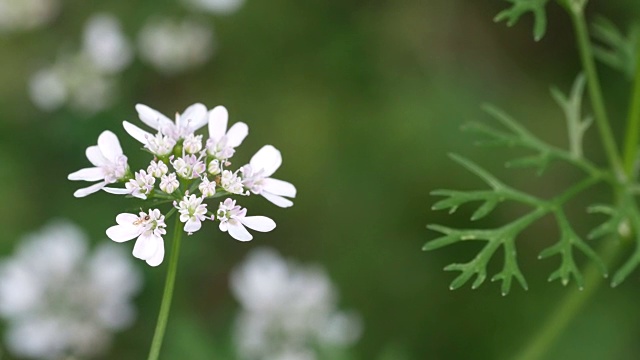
x=186 y=170
x=59 y=300
x=289 y=311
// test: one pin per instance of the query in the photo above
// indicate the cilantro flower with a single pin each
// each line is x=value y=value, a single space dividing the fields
x=233 y=219
x=148 y=228
x=256 y=177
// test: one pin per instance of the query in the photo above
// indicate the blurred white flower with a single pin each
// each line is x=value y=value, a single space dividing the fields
x=20 y=15
x=105 y=44
x=215 y=6
x=58 y=300
x=173 y=46
x=287 y=310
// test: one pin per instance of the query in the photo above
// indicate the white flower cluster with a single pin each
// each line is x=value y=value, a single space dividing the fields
x=288 y=311
x=187 y=170
x=58 y=301
x=25 y=15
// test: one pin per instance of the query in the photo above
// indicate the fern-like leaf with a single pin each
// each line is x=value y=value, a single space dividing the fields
x=617 y=50
x=521 y=7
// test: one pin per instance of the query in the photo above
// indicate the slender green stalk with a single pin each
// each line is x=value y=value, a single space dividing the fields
x=633 y=124
x=569 y=307
x=595 y=92
x=163 y=316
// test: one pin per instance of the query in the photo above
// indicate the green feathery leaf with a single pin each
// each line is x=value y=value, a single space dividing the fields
x=521 y=7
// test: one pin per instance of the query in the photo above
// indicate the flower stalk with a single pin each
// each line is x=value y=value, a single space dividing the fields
x=165 y=306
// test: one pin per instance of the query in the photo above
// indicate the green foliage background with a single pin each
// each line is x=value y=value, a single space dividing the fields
x=364 y=99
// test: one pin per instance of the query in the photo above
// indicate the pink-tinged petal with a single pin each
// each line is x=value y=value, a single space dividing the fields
x=258 y=223
x=88 y=174
x=218 y=118
x=117 y=191
x=237 y=133
x=277 y=199
x=195 y=115
x=267 y=158
x=95 y=156
x=153 y=118
x=192 y=226
x=146 y=246
x=136 y=132
x=157 y=258
x=238 y=232
x=109 y=145
x=89 y=190
x=126 y=219
x=122 y=233
x=279 y=187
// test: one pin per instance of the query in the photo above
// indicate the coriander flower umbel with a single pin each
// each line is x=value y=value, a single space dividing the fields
x=193 y=118
x=256 y=177
x=148 y=228
x=233 y=219
x=110 y=165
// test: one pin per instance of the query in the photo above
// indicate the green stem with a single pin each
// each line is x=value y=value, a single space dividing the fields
x=593 y=83
x=569 y=307
x=633 y=124
x=163 y=316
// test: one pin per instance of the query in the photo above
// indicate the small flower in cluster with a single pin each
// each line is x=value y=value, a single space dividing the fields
x=214 y=167
x=182 y=164
x=232 y=183
x=157 y=168
x=189 y=166
x=233 y=219
x=142 y=185
x=192 y=212
x=148 y=228
x=192 y=144
x=169 y=183
x=110 y=165
x=207 y=188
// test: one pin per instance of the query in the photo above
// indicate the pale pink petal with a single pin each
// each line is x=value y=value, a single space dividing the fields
x=136 y=132
x=218 y=118
x=267 y=158
x=122 y=233
x=195 y=115
x=258 y=223
x=117 y=191
x=192 y=226
x=153 y=118
x=89 y=190
x=237 y=231
x=237 y=133
x=109 y=145
x=95 y=156
x=279 y=187
x=126 y=218
x=157 y=258
x=146 y=246
x=88 y=174
x=277 y=199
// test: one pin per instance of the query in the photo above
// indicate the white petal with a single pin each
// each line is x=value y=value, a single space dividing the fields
x=146 y=246
x=237 y=133
x=126 y=219
x=267 y=158
x=157 y=258
x=152 y=118
x=117 y=191
x=136 y=132
x=95 y=156
x=121 y=233
x=277 y=199
x=192 y=226
x=258 y=223
x=218 y=118
x=88 y=174
x=195 y=115
x=279 y=187
x=89 y=190
x=109 y=145
x=238 y=232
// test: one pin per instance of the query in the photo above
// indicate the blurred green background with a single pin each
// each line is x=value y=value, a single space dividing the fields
x=364 y=99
